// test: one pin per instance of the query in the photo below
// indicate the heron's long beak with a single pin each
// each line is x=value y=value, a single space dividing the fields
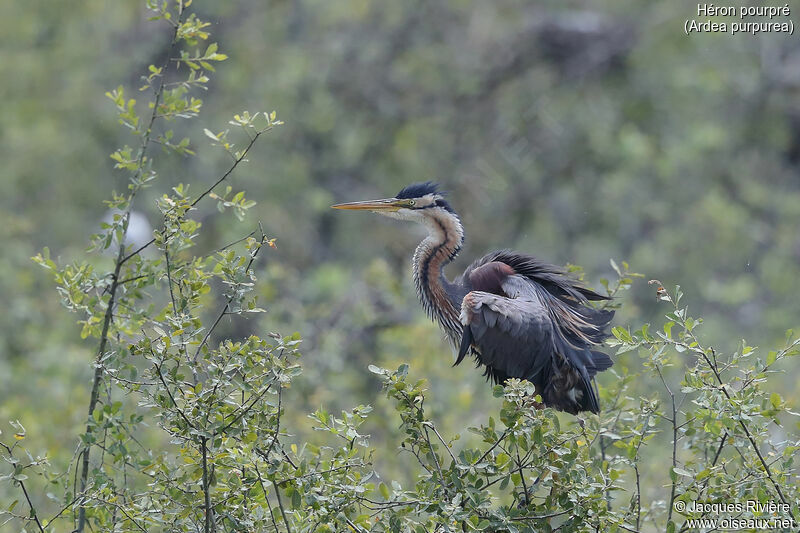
x=387 y=204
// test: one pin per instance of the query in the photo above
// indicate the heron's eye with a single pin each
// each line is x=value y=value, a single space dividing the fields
x=411 y=202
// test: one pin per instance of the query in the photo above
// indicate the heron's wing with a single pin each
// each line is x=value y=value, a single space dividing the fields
x=510 y=337
x=579 y=323
x=553 y=279
x=530 y=334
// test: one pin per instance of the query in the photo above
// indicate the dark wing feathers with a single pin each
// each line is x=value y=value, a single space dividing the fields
x=500 y=326
x=537 y=326
x=600 y=362
x=553 y=278
x=466 y=344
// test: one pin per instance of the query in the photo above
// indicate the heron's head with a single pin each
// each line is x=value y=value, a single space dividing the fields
x=420 y=202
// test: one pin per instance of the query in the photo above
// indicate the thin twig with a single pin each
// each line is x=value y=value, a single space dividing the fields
x=63 y=509
x=207 y=497
x=638 y=494
x=493 y=446
x=522 y=477
x=266 y=497
x=171 y=397
x=33 y=513
x=446 y=447
x=134 y=278
x=540 y=517
x=231 y=244
x=280 y=506
x=238 y=416
x=169 y=279
x=435 y=460
x=674 y=421
x=719 y=449
x=226 y=306
x=355 y=527
x=320 y=472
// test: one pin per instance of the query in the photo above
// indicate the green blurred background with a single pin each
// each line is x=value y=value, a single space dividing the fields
x=575 y=131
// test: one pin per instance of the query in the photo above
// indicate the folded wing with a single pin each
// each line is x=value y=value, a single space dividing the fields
x=514 y=337
x=523 y=330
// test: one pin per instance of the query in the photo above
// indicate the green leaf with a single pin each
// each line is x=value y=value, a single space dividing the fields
x=775 y=400
x=615 y=267
x=682 y=472
x=622 y=334
x=501 y=460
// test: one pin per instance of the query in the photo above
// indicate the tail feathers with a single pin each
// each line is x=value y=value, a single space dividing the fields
x=589 y=401
x=589 y=294
x=570 y=386
x=580 y=358
x=598 y=317
x=600 y=362
x=466 y=343
x=572 y=392
x=597 y=320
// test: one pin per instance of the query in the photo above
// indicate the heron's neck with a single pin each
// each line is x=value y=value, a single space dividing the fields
x=444 y=240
